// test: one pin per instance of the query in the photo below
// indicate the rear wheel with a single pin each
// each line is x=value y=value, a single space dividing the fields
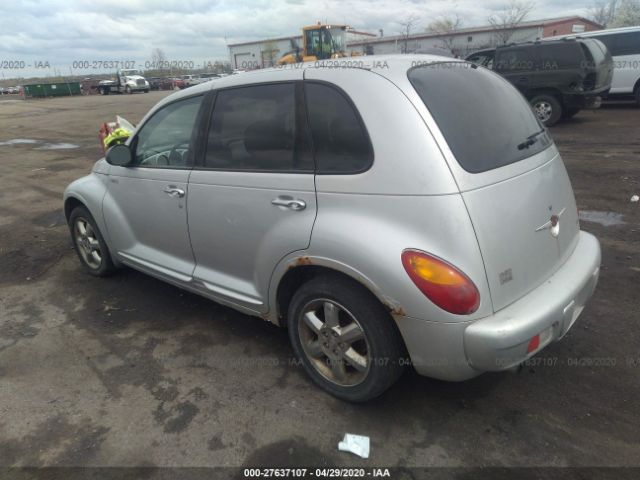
x=89 y=244
x=547 y=108
x=638 y=96
x=346 y=341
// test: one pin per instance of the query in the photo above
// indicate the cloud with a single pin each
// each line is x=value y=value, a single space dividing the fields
x=63 y=32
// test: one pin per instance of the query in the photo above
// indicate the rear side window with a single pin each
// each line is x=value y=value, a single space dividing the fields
x=340 y=142
x=255 y=128
x=560 y=56
x=619 y=44
x=628 y=44
x=487 y=123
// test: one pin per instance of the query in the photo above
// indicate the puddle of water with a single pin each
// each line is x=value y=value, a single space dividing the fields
x=46 y=146
x=58 y=146
x=606 y=219
x=19 y=141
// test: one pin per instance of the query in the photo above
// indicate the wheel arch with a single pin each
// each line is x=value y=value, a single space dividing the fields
x=72 y=202
x=301 y=269
x=545 y=91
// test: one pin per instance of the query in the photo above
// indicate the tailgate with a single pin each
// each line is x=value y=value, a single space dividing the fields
x=522 y=246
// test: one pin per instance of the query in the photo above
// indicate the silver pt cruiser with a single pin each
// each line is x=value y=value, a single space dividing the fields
x=383 y=210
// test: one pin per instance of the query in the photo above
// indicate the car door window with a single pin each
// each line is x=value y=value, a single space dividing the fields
x=340 y=142
x=255 y=128
x=514 y=60
x=164 y=140
x=482 y=59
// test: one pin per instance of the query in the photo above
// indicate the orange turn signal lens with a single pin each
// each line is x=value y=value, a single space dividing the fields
x=441 y=282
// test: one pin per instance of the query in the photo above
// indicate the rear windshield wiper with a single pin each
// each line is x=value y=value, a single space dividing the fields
x=531 y=139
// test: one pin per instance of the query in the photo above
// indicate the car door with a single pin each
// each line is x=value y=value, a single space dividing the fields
x=517 y=65
x=145 y=207
x=252 y=196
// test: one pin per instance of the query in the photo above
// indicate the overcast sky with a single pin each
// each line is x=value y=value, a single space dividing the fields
x=63 y=31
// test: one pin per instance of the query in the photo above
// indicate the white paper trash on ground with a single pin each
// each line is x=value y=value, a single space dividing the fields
x=357 y=444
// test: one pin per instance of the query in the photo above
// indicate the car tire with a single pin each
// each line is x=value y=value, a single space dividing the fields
x=89 y=244
x=638 y=96
x=570 y=113
x=127 y=90
x=146 y=90
x=547 y=108
x=346 y=341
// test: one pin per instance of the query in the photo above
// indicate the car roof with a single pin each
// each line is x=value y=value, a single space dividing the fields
x=596 y=33
x=388 y=66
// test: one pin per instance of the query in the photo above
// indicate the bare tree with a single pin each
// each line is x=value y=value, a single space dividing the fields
x=158 y=59
x=627 y=14
x=603 y=11
x=406 y=26
x=506 y=21
x=446 y=27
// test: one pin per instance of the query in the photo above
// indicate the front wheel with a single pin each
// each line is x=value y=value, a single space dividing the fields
x=346 y=341
x=127 y=89
x=89 y=244
x=547 y=108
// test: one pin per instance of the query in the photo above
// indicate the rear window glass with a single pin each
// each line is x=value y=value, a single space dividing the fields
x=596 y=51
x=485 y=120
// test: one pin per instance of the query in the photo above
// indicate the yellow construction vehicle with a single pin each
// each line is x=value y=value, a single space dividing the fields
x=319 y=42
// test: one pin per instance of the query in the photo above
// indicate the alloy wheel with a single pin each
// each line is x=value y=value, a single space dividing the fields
x=543 y=110
x=334 y=342
x=87 y=243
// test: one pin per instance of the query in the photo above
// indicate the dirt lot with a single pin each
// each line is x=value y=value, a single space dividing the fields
x=130 y=371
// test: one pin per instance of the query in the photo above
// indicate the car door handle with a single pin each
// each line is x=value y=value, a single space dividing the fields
x=174 y=191
x=289 y=202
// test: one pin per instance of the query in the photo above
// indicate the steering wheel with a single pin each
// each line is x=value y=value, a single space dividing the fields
x=176 y=157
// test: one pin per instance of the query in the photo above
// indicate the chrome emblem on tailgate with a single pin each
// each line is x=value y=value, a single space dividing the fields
x=553 y=224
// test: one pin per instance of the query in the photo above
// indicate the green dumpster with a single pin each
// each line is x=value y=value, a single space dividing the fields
x=52 y=89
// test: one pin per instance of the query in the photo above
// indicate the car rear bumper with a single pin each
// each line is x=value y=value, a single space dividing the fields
x=459 y=351
x=585 y=101
x=501 y=341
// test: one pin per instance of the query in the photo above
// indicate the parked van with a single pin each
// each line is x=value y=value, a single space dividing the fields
x=559 y=78
x=624 y=46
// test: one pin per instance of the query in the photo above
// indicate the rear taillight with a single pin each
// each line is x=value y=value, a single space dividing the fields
x=441 y=282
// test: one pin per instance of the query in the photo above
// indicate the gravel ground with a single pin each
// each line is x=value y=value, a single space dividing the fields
x=129 y=371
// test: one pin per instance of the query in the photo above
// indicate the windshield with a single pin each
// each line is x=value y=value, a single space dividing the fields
x=487 y=123
x=337 y=38
x=129 y=73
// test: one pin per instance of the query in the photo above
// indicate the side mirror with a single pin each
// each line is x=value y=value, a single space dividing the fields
x=119 y=155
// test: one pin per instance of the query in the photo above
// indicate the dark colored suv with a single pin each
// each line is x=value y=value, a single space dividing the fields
x=559 y=78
